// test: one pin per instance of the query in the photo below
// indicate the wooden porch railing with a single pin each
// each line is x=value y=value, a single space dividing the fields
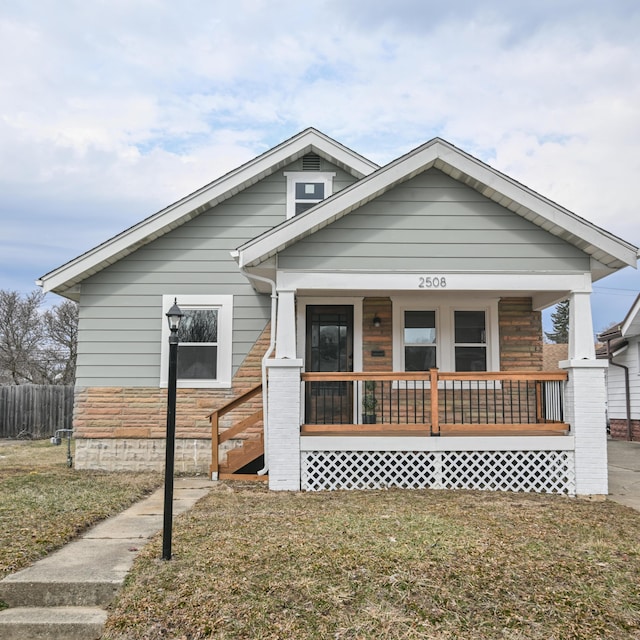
x=435 y=403
x=218 y=438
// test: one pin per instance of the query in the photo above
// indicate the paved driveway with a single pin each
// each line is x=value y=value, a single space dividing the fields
x=624 y=472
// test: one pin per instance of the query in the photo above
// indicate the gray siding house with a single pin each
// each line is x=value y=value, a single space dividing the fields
x=348 y=325
x=621 y=347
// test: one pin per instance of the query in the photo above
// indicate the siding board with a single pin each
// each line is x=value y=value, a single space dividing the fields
x=192 y=259
x=433 y=223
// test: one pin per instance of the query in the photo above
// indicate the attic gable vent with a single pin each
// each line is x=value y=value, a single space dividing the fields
x=311 y=162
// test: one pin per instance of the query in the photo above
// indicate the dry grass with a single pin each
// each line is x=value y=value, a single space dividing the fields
x=390 y=564
x=43 y=504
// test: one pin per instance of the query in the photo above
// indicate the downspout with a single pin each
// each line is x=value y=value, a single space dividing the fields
x=627 y=390
x=267 y=355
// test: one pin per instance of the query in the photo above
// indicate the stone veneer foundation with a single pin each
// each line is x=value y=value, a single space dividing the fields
x=192 y=455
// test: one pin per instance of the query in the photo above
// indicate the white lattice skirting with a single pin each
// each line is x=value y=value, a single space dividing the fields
x=531 y=471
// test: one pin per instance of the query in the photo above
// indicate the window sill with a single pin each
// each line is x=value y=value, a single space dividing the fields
x=199 y=384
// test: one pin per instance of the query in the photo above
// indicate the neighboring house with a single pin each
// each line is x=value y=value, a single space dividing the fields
x=394 y=310
x=621 y=347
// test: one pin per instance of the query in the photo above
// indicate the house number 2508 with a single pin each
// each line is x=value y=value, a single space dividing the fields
x=432 y=282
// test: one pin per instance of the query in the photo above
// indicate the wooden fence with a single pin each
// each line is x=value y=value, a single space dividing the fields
x=35 y=411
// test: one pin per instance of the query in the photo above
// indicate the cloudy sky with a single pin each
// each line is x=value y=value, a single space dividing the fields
x=112 y=109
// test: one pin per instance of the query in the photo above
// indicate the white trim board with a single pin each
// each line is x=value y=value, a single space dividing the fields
x=442 y=443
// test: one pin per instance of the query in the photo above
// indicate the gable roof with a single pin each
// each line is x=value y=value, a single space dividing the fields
x=64 y=279
x=607 y=249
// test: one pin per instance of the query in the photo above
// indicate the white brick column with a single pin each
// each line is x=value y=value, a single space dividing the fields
x=584 y=403
x=283 y=437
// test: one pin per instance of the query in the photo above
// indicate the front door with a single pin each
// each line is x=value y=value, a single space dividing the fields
x=329 y=347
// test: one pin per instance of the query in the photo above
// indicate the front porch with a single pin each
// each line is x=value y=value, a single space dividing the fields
x=554 y=452
x=372 y=430
x=340 y=413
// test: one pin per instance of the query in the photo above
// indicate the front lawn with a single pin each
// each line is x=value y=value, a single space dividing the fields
x=392 y=564
x=44 y=504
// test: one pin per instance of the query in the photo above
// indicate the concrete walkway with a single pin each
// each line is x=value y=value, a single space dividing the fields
x=624 y=472
x=65 y=594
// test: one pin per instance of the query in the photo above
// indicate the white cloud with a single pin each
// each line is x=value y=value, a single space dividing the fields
x=111 y=110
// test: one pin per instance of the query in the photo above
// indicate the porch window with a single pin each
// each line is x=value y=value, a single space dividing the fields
x=419 y=340
x=204 y=339
x=305 y=189
x=451 y=335
x=470 y=341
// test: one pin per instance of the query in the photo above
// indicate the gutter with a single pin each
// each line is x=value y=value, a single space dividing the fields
x=267 y=355
x=627 y=390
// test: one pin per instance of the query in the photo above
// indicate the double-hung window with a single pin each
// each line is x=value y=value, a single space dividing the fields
x=470 y=340
x=419 y=340
x=305 y=189
x=204 y=341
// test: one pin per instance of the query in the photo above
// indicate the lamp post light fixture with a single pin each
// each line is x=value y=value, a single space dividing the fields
x=174 y=316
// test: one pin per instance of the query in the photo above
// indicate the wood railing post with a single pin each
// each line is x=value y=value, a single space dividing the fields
x=213 y=469
x=435 y=418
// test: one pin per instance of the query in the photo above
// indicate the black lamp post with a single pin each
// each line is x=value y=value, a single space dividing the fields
x=174 y=315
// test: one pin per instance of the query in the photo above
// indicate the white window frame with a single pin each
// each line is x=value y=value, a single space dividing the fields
x=296 y=177
x=224 y=305
x=445 y=335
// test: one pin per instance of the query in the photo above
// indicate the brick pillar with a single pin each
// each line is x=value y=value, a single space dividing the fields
x=283 y=437
x=584 y=401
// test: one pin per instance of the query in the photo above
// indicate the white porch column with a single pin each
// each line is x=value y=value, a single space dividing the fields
x=581 y=338
x=283 y=444
x=584 y=402
x=286 y=326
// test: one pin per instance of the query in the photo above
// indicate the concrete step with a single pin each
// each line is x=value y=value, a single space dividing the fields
x=87 y=573
x=52 y=623
x=57 y=594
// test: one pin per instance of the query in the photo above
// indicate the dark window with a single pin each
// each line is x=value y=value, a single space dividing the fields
x=198 y=340
x=309 y=190
x=470 y=341
x=307 y=195
x=419 y=340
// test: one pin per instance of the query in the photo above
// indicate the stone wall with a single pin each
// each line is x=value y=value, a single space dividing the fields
x=377 y=342
x=192 y=456
x=520 y=335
